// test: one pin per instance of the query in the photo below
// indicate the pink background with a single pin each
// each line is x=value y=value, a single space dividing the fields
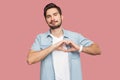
x=22 y=20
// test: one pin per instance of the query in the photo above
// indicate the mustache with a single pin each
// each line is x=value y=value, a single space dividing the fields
x=53 y=21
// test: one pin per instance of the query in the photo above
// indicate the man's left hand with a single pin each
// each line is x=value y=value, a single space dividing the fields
x=73 y=46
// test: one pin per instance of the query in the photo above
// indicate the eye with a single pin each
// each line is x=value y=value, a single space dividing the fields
x=48 y=16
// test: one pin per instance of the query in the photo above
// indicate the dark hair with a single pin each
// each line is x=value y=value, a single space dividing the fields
x=51 y=5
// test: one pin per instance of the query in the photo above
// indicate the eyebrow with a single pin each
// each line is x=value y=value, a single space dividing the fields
x=55 y=13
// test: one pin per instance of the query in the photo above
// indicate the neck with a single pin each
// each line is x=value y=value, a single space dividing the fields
x=57 y=32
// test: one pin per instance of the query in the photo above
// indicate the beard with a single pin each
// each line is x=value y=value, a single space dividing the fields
x=56 y=26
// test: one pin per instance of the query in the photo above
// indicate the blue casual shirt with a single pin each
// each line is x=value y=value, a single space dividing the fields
x=44 y=40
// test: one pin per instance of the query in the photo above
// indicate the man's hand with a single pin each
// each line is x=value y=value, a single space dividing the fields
x=61 y=46
x=73 y=46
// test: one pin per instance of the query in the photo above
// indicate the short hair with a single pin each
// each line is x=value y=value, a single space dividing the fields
x=51 y=5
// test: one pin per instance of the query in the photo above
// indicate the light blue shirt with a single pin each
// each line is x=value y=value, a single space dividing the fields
x=44 y=40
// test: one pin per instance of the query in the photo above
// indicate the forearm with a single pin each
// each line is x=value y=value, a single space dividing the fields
x=93 y=49
x=34 y=57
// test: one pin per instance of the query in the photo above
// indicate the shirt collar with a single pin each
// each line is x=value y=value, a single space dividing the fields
x=65 y=34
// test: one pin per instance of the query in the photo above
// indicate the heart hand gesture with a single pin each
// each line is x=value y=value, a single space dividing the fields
x=73 y=46
x=61 y=46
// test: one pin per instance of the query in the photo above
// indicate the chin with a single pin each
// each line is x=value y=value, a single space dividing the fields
x=54 y=27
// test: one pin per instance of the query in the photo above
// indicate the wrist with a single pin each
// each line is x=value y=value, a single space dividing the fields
x=81 y=48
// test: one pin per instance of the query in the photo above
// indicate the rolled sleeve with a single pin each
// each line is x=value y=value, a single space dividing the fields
x=84 y=41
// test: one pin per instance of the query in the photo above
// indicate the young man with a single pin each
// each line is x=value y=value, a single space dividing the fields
x=58 y=49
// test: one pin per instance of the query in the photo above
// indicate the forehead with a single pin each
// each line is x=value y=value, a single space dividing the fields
x=51 y=11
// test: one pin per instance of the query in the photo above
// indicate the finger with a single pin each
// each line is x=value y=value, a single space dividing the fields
x=73 y=45
x=61 y=49
x=70 y=50
x=62 y=44
x=59 y=43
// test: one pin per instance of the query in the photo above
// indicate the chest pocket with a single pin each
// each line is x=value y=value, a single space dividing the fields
x=45 y=42
x=44 y=46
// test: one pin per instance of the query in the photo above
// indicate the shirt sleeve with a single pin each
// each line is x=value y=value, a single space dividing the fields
x=85 y=41
x=36 y=44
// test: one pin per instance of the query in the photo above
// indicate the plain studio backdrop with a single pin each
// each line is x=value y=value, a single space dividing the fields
x=22 y=20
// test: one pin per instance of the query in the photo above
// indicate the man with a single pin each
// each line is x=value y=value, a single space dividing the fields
x=58 y=49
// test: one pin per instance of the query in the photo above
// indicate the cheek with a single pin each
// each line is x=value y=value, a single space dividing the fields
x=58 y=18
x=48 y=20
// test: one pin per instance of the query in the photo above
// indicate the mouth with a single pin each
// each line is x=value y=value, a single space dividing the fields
x=53 y=22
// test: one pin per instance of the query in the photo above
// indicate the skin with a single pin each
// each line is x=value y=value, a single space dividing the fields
x=53 y=18
x=54 y=21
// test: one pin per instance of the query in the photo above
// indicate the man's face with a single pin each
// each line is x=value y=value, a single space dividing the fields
x=53 y=18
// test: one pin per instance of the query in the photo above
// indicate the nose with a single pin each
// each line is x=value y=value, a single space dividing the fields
x=52 y=18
